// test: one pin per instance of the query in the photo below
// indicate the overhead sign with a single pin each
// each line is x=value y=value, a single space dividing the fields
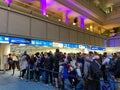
x=4 y=39
x=68 y=45
x=41 y=43
x=13 y=40
x=97 y=48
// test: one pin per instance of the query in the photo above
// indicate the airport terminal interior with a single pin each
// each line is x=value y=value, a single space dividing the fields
x=74 y=28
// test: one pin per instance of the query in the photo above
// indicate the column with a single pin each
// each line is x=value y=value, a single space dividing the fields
x=43 y=7
x=8 y=1
x=82 y=22
x=4 y=50
x=65 y=16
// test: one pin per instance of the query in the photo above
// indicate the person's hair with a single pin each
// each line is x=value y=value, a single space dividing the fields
x=37 y=53
x=90 y=52
x=118 y=52
x=76 y=64
x=10 y=54
x=57 y=50
x=73 y=57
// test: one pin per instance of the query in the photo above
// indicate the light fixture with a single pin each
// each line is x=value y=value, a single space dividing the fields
x=91 y=26
x=59 y=19
x=87 y=28
x=74 y=24
x=22 y=44
x=47 y=15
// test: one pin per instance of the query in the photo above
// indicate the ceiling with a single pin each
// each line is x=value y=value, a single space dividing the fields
x=54 y=7
x=58 y=9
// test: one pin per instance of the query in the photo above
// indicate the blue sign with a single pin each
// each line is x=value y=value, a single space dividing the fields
x=41 y=43
x=19 y=40
x=65 y=45
x=4 y=39
x=97 y=48
x=68 y=45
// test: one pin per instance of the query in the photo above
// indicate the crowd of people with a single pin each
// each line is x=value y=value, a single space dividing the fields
x=90 y=71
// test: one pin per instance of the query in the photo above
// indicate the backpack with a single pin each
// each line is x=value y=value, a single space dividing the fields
x=111 y=65
x=65 y=71
x=95 y=71
x=106 y=86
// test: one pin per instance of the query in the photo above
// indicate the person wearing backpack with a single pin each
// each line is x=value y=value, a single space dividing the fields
x=48 y=64
x=80 y=85
x=56 y=58
x=117 y=69
x=72 y=77
x=94 y=73
x=37 y=66
x=105 y=67
x=63 y=73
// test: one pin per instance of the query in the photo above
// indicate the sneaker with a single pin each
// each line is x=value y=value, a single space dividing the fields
x=46 y=84
x=21 y=78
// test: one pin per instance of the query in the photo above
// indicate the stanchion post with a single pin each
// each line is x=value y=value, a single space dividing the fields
x=4 y=69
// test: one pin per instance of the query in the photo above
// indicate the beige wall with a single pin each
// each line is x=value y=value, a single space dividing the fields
x=16 y=24
x=3 y=21
x=38 y=28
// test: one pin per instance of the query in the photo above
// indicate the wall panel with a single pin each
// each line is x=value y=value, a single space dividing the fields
x=64 y=34
x=117 y=42
x=97 y=41
x=80 y=38
x=86 y=39
x=52 y=32
x=73 y=36
x=92 y=40
x=38 y=28
x=3 y=21
x=18 y=24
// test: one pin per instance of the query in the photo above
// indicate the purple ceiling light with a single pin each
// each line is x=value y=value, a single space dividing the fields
x=49 y=2
x=8 y=1
x=43 y=7
x=29 y=1
x=67 y=12
x=82 y=22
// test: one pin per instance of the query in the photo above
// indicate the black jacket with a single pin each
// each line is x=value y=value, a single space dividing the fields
x=117 y=69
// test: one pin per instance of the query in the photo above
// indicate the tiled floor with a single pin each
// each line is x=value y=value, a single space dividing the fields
x=9 y=82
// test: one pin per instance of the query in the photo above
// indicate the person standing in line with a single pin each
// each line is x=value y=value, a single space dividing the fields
x=117 y=69
x=15 y=63
x=10 y=60
x=23 y=65
x=72 y=63
x=48 y=68
x=57 y=57
x=37 y=67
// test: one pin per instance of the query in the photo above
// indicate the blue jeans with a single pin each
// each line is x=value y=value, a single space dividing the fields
x=80 y=85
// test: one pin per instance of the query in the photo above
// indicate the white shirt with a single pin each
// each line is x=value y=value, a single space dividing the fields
x=72 y=63
x=14 y=58
x=79 y=72
x=106 y=61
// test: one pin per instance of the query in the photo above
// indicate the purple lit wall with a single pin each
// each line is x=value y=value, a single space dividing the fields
x=8 y=1
x=49 y=2
x=66 y=16
x=114 y=41
x=43 y=6
x=82 y=22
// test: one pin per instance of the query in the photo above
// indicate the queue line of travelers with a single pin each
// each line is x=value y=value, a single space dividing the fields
x=91 y=71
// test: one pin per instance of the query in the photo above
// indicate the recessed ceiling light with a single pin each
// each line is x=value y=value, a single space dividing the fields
x=74 y=23
x=47 y=15
x=59 y=19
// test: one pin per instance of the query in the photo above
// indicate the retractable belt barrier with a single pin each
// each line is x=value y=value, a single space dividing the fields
x=52 y=71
